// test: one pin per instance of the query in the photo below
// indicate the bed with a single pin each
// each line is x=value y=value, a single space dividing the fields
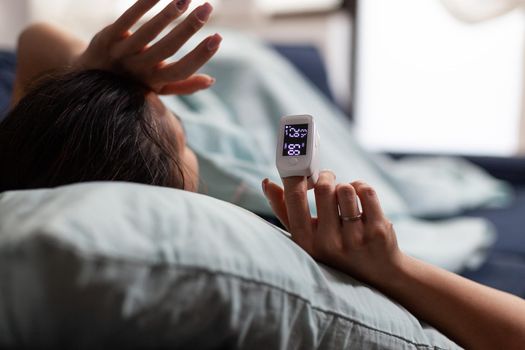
x=130 y=270
x=504 y=268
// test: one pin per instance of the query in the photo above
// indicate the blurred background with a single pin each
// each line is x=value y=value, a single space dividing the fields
x=434 y=76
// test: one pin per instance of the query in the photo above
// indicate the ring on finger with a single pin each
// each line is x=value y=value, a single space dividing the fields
x=351 y=218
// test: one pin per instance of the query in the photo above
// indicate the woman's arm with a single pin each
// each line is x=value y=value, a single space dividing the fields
x=43 y=48
x=474 y=316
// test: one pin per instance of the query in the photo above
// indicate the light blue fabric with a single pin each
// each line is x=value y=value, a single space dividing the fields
x=455 y=244
x=445 y=186
x=118 y=264
x=233 y=126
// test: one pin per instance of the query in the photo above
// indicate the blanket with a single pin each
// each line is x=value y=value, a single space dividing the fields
x=232 y=127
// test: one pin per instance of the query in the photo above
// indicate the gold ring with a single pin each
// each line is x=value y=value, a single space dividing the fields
x=351 y=218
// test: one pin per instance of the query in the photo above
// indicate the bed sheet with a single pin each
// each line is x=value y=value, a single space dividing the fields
x=504 y=268
x=7 y=76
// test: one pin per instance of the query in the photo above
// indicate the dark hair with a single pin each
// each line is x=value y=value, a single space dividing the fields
x=86 y=126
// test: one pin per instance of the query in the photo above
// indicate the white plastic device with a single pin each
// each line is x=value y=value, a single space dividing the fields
x=298 y=148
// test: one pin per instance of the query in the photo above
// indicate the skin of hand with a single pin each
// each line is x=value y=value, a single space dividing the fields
x=473 y=315
x=117 y=49
x=365 y=248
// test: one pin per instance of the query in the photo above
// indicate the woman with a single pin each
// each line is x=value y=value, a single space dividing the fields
x=102 y=120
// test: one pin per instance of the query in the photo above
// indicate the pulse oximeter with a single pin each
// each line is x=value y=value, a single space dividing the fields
x=298 y=148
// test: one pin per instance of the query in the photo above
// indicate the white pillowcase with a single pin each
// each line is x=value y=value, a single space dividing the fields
x=107 y=264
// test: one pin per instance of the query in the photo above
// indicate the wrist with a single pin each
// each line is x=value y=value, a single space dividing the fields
x=397 y=274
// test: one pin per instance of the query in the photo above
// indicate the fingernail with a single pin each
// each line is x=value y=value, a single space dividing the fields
x=331 y=173
x=181 y=4
x=264 y=184
x=212 y=81
x=203 y=12
x=213 y=42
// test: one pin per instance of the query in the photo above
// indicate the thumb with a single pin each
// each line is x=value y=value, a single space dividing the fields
x=275 y=195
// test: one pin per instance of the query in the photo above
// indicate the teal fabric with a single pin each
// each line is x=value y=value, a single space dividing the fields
x=438 y=187
x=233 y=126
x=115 y=264
x=233 y=129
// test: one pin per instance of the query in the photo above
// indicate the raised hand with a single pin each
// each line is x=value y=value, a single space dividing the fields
x=361 y=244
x=117 y=49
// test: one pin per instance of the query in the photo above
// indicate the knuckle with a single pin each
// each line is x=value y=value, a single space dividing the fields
x=345 y=191
x=295 y=195
x=194 y=24
x=328 y=173
x=366 y=190
x=358 y=183
x=169 y=14
x=370 y=191
x=377 y=227
x=323 y=188
x=380 y=229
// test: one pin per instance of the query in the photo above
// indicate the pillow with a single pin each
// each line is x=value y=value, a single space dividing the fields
x=107 y=264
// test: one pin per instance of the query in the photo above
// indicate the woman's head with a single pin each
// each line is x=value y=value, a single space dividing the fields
x=93 y=126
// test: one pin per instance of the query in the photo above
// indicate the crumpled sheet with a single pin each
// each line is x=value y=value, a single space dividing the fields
x=232 y=128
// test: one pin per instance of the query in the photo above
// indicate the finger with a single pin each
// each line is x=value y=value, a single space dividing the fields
x=299 y=218
x=326 y=203
x=347 y=200
x=369 y=201
x=193 y=61
x=353 y=232
x=149 y=31
x=131 y=16
x=174 y=40
x=275 y=195
x=188 y=86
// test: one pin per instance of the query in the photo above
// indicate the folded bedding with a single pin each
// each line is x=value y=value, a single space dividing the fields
x=436 y=187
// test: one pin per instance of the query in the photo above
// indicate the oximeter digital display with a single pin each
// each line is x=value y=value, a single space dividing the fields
x=297 y=148
x=295 y=140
